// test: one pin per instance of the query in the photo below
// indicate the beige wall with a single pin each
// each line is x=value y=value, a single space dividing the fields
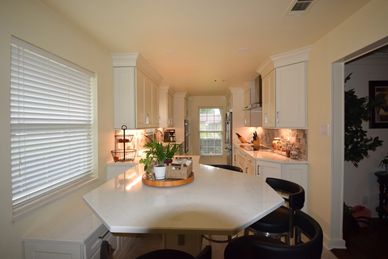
x=363 y=28
x=194 y=103
x=34 y=22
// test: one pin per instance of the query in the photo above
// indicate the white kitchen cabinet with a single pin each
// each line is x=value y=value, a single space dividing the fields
x=296 y=173
x=75 y=235
x=244 y=161
x=252 y=117
x=165 y=107
x=136 y=83
x=180 y=104
x=284 y=91
x=247 y=113
x=291 y=96
x=268 y=99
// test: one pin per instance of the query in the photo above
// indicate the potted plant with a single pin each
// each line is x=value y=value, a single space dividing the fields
x=357 y=142
x=384 y=163
x=171 y=150
x=156 y=158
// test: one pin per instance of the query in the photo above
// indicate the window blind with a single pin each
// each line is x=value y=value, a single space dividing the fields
x=52 y=124
x=210 y=131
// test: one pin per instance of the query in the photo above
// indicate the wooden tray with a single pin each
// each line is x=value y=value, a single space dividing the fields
x=167 y=182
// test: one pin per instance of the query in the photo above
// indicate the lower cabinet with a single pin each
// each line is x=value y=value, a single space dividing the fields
x=244 y=161
x=78 y=249
x=296 y=173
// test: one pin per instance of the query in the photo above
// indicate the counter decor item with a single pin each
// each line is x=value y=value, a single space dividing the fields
x=256 y=141
x=241 y=138
x=179 y=172
x=124 y=150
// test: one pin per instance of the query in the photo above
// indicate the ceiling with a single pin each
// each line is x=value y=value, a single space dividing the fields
x=204 y=46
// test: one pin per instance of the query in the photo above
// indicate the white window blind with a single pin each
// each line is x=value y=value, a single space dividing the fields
x=52 y=124
x=210 y=131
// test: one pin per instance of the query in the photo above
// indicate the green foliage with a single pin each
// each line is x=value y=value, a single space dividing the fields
x=357 y=144
x=156 y=153
x=384 y=161
x=171 y=150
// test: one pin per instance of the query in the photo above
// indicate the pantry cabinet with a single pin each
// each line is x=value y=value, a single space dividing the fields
x=284 y=91
x=136 y=92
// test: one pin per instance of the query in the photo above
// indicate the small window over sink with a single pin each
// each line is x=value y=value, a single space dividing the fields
x=210 y=131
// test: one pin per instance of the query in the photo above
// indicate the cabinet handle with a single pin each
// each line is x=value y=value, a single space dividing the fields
x=104 y=235
x=147 y=119
x=277 y=117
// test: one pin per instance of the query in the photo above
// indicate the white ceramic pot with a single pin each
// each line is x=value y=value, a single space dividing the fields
x=160 y=172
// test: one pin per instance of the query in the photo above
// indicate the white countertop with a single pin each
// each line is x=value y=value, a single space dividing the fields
x=218 y=201
x=270 y=156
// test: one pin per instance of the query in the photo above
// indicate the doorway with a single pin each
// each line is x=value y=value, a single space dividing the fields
x=337 y=156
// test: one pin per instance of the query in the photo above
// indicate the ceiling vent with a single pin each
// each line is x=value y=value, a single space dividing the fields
x=299 y=6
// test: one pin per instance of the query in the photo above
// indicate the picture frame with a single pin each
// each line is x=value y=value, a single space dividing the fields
x=378 y=94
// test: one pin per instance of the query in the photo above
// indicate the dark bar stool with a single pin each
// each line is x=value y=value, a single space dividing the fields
x=281 y=221
x=253 y=247
x=106 y=252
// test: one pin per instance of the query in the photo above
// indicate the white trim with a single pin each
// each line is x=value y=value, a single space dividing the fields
x=335 y=239
x=291 y=57
x=134 y=59
x=337 y=155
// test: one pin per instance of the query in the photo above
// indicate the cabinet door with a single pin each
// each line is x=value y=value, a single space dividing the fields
x=240 y=160
x=250 y=166
x=268 y=106
x=140 y=99
x=291 y=96
x=268 y=169
x=247 y=113
x=154 y=117
x=124 y=97
x=170 y=111
x=147 y=101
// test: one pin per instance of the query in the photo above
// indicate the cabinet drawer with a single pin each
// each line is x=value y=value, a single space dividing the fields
x=93 y=242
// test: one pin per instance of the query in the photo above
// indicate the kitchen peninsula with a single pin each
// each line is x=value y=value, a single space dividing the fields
x=206 y=206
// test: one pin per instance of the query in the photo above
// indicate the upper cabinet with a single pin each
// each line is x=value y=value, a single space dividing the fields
x=284 y=90
x=136 y=92
x=252 y=117
x=165 y=107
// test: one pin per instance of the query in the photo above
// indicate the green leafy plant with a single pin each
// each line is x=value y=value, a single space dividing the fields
x=357 y=143
x=171 y=150
x=157 y=154
x=156 y=151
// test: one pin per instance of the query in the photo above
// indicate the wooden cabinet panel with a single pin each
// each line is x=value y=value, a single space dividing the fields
x=291 y=96
x=268 y=106
x=136 y=89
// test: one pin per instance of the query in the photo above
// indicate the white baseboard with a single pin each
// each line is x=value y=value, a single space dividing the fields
x=333 y=243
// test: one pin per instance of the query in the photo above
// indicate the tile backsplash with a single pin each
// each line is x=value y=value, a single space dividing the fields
x=298 y=137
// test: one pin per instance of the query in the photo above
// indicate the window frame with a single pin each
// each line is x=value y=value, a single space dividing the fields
x=221 y=131
x=52 y=194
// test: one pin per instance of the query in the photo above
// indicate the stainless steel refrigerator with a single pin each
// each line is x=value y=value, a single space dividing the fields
x=228 y=147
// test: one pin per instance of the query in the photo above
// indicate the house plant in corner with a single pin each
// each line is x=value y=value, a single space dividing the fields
x=384 y=163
